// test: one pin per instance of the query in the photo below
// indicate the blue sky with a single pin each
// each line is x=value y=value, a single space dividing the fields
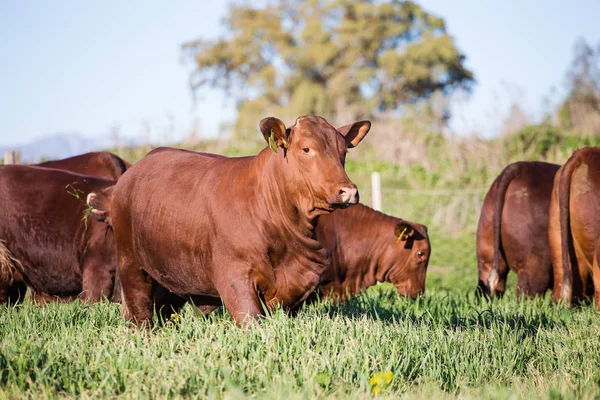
x=88 y=66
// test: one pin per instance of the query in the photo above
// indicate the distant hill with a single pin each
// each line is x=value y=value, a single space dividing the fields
x=60 y=145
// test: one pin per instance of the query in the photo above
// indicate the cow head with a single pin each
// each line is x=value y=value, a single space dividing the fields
x=407 y=257
x=311 y=155
x=100 y=204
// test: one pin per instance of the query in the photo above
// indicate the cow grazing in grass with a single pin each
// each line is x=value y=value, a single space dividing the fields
x=238 y=230
x=47 y=241
x=101 y=164
x=366 y=247
x=512 y=231
x=574 y=229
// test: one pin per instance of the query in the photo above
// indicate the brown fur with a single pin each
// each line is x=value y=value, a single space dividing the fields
x=238 y=230
x=101 y=164
x=575 y=228
x=512 y=230
x=48 y=245
x=366 y=247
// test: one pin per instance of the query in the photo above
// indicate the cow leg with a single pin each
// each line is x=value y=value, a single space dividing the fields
x=528 y=285
x=239 y=296
x=534 y=278
x=98 y=278
x=137 y=292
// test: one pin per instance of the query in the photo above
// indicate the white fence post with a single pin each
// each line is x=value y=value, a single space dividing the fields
x=11 y=157
x=376 y=190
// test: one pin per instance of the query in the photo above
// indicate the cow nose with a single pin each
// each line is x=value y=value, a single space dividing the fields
x=349 y=194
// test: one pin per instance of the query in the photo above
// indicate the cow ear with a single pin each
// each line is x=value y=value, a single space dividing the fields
x=403 y=230
x=355 y=132
x=273 y=129
x=100 y=204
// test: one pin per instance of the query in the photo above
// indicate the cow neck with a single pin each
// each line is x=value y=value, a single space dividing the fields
x=285 y=214
x=376 y=230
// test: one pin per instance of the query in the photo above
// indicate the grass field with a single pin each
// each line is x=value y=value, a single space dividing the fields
x=445 y=344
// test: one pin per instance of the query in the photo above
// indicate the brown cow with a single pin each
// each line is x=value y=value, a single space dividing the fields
x=367 y=247
x=574 y=229
x=47 y=242
x=101 y=164
x=512 y=231
x=241 y=230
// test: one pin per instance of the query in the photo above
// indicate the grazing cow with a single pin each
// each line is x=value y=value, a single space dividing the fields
x=366 y=247
x=101 y=164
x=238 y=230
x=47 y=242
x=574 y=229
x=512 y=231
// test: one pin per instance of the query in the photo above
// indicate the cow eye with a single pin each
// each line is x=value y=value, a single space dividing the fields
x=420 y=254
x=306 y=149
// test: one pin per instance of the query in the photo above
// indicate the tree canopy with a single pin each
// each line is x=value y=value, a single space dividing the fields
x=329 y=57
x=580 y=111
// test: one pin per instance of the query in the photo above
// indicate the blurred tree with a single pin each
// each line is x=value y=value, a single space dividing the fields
x=580 y=111
x=339 y=58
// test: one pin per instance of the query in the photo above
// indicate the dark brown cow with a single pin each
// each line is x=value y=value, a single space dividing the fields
x=512 y=231
x=236 y=230
x=574 y=229
x=367 y=247
x=101 y=164
x=47 y=242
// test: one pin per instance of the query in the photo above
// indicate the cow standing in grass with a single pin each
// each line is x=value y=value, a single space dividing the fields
x=238 y=230
x=366 y=247
x=574 y=229
x=47 y=241
x=512 y=231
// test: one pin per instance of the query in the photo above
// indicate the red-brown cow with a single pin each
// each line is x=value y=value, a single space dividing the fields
x=47 y=242
x=240 y=230
x=101 y=164
x=512 y=231
x=574 y=229
x=366 y=247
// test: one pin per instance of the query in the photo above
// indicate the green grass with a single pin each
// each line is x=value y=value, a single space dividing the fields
x=445 y=344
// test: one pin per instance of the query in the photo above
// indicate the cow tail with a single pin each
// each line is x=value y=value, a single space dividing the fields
x=564 y=194
x=8 y=265
x=506 y=177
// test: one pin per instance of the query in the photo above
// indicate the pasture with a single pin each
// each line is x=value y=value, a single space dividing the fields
x=446 y=344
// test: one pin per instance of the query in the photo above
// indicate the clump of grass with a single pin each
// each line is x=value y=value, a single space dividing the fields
x=77 y=193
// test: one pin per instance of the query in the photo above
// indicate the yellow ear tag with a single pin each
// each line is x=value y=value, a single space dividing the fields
x=272 y=143
x=402 y=234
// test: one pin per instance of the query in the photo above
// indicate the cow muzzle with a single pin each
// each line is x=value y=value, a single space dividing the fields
x=348 y=195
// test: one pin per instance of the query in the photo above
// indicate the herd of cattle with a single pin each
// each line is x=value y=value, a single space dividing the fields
x=542 y=221
x=276 y=229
